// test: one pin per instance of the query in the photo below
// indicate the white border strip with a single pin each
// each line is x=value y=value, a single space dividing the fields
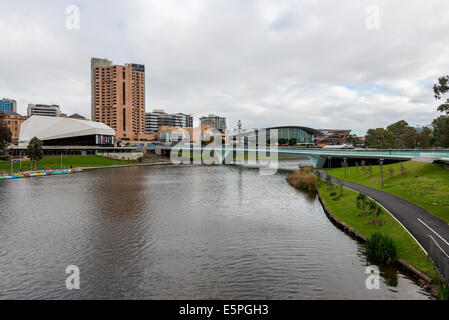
x=433 y=231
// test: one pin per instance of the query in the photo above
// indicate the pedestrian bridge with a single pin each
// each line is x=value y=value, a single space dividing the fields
x=319 y=157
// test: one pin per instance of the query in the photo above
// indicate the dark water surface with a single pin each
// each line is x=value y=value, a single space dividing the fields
x=178 y=232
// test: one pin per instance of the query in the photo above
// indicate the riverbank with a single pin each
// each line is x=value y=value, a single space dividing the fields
x=423 y=184
x=58 y=163
x=342 y=210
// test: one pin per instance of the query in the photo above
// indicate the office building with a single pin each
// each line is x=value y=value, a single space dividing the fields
x=118 y=97
x=214 y=121
x=13 y=121
x=43 y=110
x=8 y=106
x=154 y=120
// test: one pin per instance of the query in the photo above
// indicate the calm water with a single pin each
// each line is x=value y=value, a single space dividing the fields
x=185 y=232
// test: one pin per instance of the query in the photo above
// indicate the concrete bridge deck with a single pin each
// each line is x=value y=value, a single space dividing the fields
x=318 y=157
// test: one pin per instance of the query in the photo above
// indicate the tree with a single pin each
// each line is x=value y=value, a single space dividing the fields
x=340 y=184
x=404 y=135
x=441 y=131
x=329 y=182
x=293 y=142
x=361 y=204
x=5 y=134
x=34 y=150
x=402 y=169
x=425 y=138
x=441 y=88
x=379 y=138
x=352 y=139
x=282 y=141
x=398 y=128
x=391 y=170
x=376 y=210
x=408 y=140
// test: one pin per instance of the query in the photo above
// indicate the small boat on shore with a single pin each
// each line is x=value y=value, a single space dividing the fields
x=39 y=174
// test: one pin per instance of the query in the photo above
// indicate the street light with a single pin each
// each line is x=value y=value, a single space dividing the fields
x=381 y=161
x=345 y=165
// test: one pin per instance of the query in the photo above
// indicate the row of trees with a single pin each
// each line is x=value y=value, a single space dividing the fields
x=368 y=206
x=401 y=135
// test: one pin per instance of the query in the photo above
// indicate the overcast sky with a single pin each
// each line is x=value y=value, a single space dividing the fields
x=323 y=64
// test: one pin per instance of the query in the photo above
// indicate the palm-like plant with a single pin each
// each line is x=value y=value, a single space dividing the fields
x=376 y=210
x=329 y=182
x=361 y=203
x=376 y=213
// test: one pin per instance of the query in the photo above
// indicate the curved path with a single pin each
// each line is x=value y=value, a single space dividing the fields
x=420 y=223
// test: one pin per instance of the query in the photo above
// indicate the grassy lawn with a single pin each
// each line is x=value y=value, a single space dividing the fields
x=345 y=209
x=424 y=184
x=67 y=161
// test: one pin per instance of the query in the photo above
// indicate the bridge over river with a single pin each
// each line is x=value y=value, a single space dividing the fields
x=318 y=157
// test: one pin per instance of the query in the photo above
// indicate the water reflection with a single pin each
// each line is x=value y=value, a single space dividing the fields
x=182 y=232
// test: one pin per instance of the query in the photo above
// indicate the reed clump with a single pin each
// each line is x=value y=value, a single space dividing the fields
x=304 y=179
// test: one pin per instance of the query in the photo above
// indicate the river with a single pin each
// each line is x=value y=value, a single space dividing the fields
x=178 y=232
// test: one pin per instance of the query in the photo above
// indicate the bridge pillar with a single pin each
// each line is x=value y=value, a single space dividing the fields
x=317 y=160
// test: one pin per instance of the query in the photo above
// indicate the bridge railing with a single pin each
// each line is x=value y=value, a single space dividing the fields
x=329 y=151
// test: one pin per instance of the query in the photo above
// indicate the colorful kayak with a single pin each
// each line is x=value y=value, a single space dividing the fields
x=40 y=174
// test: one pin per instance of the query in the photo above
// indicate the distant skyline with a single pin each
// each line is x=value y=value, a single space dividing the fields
x=318 y=64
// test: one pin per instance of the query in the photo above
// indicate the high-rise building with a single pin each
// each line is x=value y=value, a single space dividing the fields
x=154 y=120
x=8 y=105
x=214 y=121
x=118 y=97
x=43 y=110
x=94 y=64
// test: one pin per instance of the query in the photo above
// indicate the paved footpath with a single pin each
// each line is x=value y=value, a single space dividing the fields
x=419 y=222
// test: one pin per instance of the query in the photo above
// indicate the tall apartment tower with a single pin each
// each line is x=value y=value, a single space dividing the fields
x=118 y=97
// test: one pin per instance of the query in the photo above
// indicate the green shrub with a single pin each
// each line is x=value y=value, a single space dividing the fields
x=381 y=249
x=444 y=291
x=333 y=193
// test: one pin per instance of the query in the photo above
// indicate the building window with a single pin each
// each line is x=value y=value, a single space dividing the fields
x=124 y=94
x=124 y=119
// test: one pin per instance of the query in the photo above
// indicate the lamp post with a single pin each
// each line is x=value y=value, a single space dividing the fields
x=381 y=161
x=345 y=165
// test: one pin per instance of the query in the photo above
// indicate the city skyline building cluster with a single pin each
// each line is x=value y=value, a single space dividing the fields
x=158 y=117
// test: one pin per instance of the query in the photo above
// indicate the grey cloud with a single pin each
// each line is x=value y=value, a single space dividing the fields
x=263 y=62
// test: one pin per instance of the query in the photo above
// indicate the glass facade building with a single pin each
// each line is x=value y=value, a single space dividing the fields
x=8 y=106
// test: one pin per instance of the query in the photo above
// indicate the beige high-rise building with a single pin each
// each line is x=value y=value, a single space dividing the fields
x=118 y=97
